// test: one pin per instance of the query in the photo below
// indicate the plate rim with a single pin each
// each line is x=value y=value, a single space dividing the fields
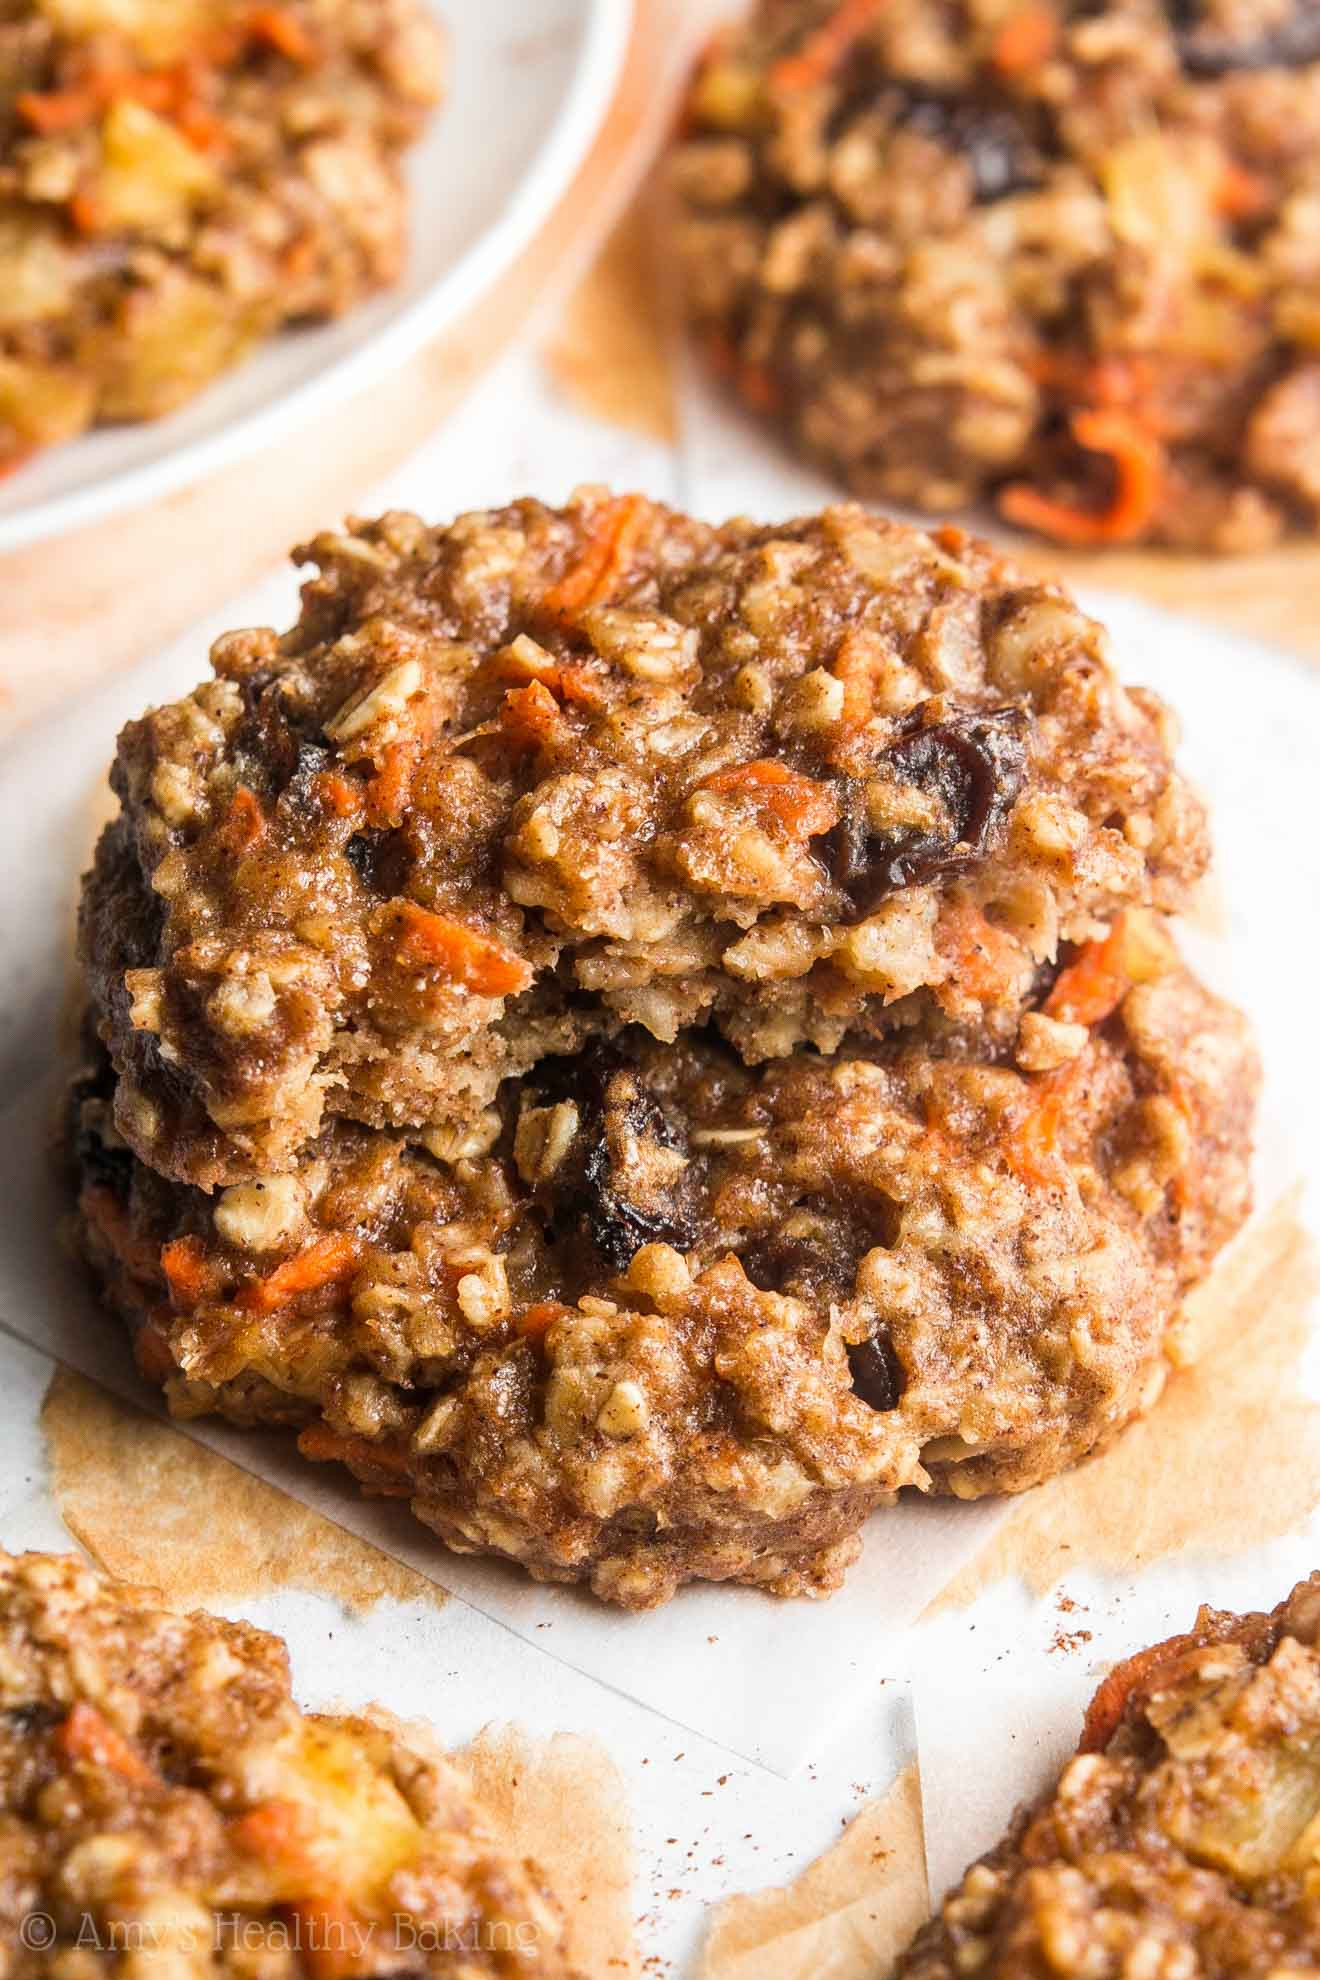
x=575 y=125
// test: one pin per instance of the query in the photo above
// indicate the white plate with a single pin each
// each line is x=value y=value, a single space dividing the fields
x=530 y=81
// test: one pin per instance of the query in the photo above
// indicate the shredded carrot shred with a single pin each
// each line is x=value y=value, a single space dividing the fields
x=614 y=530
x=183 y=1262
x=281 y=30
x=1138 y=459
x=388 y=790
x=151 y=1352
x=538 y=1319
x=245 y=823
x=1095 y=983
x=326 y=1446
x=328 y=1261
x=822 y=52
x=986 y=960
x=530 y=716
x=1031 y=1148
x=560 y=678
x=103 y=1209
x=1026 y=39
x=475 y=961
x=328 y=1935
x=274 y=1830
x=86 y=212
x=52 y=112
x=337 y=794
x=855 y=664
x=87 y=1736
x=1240 y=194
x=799 y=804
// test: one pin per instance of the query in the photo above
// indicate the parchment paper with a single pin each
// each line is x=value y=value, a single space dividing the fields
x=769 y=1680
x=846 y=1917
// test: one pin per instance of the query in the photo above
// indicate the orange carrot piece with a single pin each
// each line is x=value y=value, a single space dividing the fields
x=614 y=530
x=328 y=1261
x=87 y=1738
x=562 y=679
x=274 y=1831
x=326 y=1446
x=1139 y=466
x=337 y=794
x=822 y=52
x=245 y=823
x=530 y=716
x=389 y=790
x=280 y=29
x=1031 y=1147
x=328 y=1932
x=537 y=1320
x=183 y=1262
x=479 y=964
x=1095 y=983
x=85 y=212
x=1026 y=40
x=802 y=806
x=151 y=1352
x=52 y=112
x=855 y=665
x=1240 y=194
x=986 y=959
x=103 y=1209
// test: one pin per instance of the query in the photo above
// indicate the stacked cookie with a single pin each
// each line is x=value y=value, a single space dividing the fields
x=649 y=1039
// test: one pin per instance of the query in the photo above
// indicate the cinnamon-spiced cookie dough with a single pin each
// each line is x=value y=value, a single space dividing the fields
x=660 y=1316
x=1061 y=255
x=168 y=1807
x=1184 y=1837
x=179 y=181
x=526 y=780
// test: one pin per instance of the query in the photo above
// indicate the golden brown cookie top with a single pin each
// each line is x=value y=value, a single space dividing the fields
x=518 y=782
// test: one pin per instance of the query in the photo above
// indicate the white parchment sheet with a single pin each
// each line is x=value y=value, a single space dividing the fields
x=768 y=1680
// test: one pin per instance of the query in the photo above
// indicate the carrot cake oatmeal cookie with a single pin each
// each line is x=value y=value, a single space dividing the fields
x=1184 y=1838
x=661 y=1316
x=1059 y=254
x=180 y=180
x=168 y=1808
x=521 y=782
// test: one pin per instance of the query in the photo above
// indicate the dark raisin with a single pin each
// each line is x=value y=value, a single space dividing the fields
x=998 y=152
x=614 y=1188
x=1208 y=52
x=266 y=736
x=380 y=860
x=311 y=760
x=877 y=1373
x=103 y=1167
x=974 y=765
x=360 y=852
x=779 y=1264
x=27 y=1721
